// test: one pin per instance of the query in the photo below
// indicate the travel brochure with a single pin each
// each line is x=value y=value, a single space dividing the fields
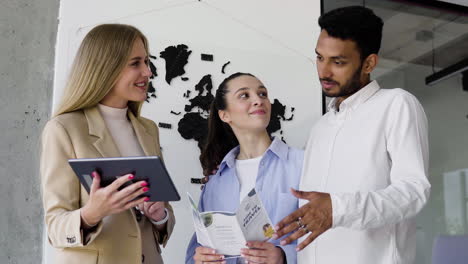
x=227 y=232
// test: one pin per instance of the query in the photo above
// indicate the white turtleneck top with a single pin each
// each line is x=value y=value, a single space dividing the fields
x=121 y=130
x=127 y=143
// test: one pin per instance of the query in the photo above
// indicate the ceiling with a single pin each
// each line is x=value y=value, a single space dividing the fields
x=416 y=32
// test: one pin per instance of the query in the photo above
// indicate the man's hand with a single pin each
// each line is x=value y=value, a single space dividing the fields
x=314 y=217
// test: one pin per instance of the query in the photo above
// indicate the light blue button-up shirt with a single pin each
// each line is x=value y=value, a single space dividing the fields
x=279 y=170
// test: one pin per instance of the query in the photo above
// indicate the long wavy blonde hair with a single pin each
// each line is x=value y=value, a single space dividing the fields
x=102 y=56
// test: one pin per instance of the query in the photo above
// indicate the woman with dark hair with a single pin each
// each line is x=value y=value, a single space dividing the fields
x=248 y=158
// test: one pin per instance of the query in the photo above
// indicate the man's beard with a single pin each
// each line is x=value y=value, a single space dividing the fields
x=350 y=87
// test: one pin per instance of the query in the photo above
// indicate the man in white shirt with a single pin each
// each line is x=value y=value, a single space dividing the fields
x=365 y=169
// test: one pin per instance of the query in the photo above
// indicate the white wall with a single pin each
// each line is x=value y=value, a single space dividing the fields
x=272 y=39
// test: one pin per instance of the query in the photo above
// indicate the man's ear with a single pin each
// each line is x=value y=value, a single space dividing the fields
x=224 y=116
x=370 y=63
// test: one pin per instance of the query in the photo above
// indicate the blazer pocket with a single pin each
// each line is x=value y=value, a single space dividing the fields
x=77 y=256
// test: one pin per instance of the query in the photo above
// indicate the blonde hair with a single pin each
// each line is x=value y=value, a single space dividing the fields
x=102 y=56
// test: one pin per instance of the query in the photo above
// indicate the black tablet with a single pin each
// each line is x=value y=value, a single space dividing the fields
x=147 y=168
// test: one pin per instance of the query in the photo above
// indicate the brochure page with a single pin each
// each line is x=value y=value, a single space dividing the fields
x=253 y=218
x=227 y=232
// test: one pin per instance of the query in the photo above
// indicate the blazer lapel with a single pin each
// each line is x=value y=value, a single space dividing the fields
x=147 y=141
x=104 y=142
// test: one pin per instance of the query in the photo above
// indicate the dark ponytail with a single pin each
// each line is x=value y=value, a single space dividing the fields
x=221 y=138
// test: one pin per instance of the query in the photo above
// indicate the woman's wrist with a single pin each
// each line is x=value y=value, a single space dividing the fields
x=87 y=220
x=162 y=220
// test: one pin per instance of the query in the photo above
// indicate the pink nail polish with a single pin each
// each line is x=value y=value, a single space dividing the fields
x=131 y=176
x=93 y=174
x=145 y=189
x=143 y=184
x=146 y=199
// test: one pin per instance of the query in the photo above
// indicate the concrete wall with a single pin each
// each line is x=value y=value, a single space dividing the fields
x=27 y=40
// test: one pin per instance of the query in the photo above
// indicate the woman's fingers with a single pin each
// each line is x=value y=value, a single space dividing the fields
x=126 y=198
x=254 y=252
x=153 y=207
x=131 y=198
x=211 y=258
x=259 y=245
x=261 y=252
x=144 y=207
x=131 y=192
x=135 y=194
x=96 y=184
x=115 y=185
x=207 y=254
x=133 y=203
x=255 y=255
x=109 y=200
x=210 y=262
x=205 y=250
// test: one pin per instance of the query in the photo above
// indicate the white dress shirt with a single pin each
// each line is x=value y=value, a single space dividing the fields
x=372 y=157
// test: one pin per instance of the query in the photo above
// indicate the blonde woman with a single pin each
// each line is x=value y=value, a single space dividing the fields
x=100 y=117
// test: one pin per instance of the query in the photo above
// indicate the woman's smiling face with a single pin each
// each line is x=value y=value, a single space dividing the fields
x=133 y=80
x=248 y=105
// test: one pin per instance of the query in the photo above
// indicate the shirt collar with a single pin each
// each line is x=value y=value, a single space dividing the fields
x=277 y=147
x=357 y=98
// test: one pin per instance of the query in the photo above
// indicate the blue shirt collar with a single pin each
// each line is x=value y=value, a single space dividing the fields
x=277 y=147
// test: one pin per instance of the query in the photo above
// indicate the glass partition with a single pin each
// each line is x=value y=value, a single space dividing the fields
x=418 y=40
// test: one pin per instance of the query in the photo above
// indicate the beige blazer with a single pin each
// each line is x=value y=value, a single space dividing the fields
x=117 y=238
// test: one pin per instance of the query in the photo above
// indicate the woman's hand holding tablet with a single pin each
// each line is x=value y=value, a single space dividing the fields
x=104 y=201
x=149 y=169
